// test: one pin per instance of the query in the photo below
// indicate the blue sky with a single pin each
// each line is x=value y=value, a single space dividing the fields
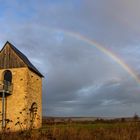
x=80 y=80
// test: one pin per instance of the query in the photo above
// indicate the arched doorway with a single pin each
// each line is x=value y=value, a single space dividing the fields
x=7 y=80
x=7 y=76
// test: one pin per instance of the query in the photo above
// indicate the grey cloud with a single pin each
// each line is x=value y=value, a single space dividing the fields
x=107 y=98
x=79 y=79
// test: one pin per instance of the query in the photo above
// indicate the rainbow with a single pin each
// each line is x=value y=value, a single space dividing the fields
x=106 y=51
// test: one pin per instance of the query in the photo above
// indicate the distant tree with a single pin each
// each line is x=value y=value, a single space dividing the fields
x=135 y=117
x=122 y=119
x=69 y=120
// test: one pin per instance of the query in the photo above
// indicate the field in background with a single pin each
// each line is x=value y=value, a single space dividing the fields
x=81 y=129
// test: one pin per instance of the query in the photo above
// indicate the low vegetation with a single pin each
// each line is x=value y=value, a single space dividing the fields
x=99 y=129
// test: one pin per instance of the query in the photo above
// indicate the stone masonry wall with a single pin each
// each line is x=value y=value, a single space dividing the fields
x=35 y=96
x=15 y=102
x=27 y=88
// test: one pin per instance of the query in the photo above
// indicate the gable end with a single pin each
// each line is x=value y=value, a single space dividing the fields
x=11 y=57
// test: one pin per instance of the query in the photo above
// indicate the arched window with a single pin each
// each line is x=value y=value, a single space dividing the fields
x=7 y=76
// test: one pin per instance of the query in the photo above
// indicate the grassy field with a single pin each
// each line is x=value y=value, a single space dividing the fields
x=80 y=131
x=97 y=131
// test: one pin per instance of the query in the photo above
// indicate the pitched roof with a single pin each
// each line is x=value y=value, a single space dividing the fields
x=24 y=58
